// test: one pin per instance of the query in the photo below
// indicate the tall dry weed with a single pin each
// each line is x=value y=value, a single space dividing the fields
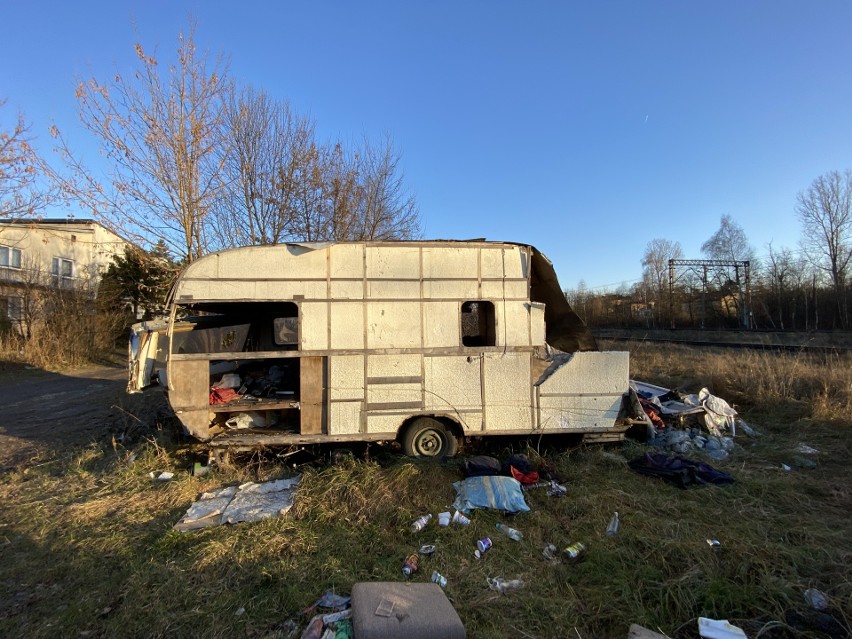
x=821 y=384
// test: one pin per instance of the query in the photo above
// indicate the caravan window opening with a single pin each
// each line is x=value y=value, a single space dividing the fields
x=477 y=324
x=239 y=327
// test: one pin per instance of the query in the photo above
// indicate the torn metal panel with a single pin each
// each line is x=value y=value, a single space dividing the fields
x=565 y=330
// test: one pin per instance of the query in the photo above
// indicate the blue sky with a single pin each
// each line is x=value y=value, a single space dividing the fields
x=584 y=128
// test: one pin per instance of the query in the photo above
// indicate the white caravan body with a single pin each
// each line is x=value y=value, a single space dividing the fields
x=361 y=341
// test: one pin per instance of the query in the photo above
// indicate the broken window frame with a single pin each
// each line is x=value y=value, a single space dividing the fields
x=478 y=313
x=288 y=323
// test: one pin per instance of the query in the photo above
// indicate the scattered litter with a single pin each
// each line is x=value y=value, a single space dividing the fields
x=549 y=552
x=786 y=467
x=556 y=490
x=444 y=519
x=679 y=471
x=511 y=533
x=816 y=599
x=314 y=629
x=385 y=608
x=334 y=617
x=329 y=624
x=249 y=419
x=460 y=519
x=247 y=502
x=410 y=565
x=333 y=601
x=287 y=629
x=502 y=585
x=439 y=579
x=714 y=543
x=667 y=410
x=575 y=551
x=482 y=546
x=161 y=476
x=806 y=450
x=480 y=466
x=420 y=523
x=199 y=470
x=685 y=441
x=719 y=629
x=612 y=528
x=640 y=632
x=501 y=493
x=719 y=414
x=239 y=611
x=427 y=549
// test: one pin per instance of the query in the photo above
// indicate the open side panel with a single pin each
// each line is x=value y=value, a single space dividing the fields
x=314 y=392
x=585 y=392
x=189 y=396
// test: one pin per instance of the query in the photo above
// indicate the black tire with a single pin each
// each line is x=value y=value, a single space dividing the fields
x=427 y=437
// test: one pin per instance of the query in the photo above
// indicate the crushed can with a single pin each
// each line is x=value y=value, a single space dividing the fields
x=575 y=551
x=439 y=579
x=410 y=566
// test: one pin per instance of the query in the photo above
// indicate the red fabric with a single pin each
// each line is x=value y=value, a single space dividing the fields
x=528 y=478
x=222 y=395
x=656 y=420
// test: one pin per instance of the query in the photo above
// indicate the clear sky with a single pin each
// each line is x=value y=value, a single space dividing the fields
x=584 y=128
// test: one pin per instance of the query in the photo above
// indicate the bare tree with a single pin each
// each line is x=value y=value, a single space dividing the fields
x=270 y=149
x=161 y=131
x=655 y=270
x=778 y=275
x=20 y=194
x=825 y=211
x=385 y=210
x=729 y=243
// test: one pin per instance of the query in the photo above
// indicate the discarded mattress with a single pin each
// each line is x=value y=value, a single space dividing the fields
x=246 y=502
x=394 y=610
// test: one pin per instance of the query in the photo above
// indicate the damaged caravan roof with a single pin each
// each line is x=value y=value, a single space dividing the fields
x=229 y=274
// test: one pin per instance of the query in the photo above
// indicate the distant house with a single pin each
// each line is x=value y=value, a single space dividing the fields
x=43 y=253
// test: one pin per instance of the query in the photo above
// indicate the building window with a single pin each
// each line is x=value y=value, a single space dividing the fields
x=62 y=267
x=15 y=306
x=10 y=257
x=477 y=324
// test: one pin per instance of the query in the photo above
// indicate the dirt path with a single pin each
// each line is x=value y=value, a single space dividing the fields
x=47 y=411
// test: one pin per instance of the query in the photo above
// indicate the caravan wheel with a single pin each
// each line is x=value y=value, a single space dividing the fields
x=427 y=437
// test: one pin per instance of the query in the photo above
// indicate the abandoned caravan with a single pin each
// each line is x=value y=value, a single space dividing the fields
x=425 y=342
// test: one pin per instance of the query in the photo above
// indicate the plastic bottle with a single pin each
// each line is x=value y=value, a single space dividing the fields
x=420 y=523
x=511 y=533
x=503 y=586
x=613 y=525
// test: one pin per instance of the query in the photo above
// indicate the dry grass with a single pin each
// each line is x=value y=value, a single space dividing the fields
x=89 y=549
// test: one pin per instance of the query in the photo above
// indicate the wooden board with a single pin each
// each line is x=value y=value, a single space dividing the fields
x=312 y=395
x=190 y=384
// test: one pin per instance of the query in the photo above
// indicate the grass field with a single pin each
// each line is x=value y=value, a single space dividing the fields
x=89 y=550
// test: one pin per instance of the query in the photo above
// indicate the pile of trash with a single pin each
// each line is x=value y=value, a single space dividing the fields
x=683 y=422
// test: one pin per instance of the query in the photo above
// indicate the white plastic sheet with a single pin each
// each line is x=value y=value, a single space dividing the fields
x=246 y=502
